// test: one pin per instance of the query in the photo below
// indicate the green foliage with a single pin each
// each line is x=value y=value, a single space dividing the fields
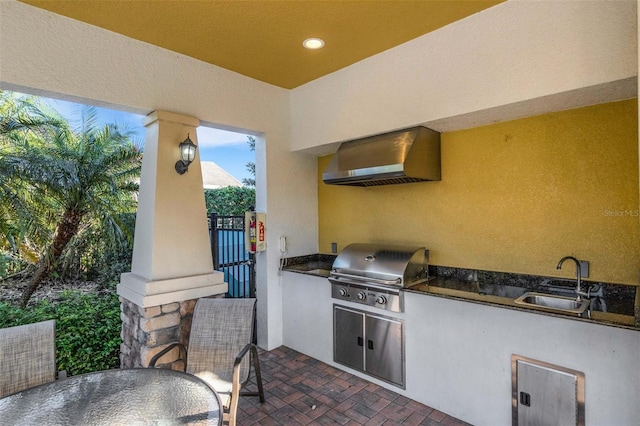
x=251 y=166
x=99 y=258
x=87 y=329
x=232 y=200
x=24 y=222
x=106 y=268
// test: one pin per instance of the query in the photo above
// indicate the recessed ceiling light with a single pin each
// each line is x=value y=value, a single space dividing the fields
x=313 y=43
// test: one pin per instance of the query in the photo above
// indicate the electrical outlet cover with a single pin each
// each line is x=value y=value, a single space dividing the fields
x=584 y=268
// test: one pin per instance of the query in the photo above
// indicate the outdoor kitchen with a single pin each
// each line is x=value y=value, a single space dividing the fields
x=469 y=292
x=456 y=333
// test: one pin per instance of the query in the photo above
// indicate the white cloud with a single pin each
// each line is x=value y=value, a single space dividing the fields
x=210 y=137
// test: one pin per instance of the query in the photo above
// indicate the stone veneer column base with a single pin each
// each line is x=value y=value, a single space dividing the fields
x=146 y=331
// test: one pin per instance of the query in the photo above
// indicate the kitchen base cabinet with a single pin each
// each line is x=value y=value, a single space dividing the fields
x=307 y=317
x=459 y=359
x=369 y=343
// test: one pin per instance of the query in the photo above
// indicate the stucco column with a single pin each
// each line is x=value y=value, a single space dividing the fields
x=171 y=251
x=172 y=265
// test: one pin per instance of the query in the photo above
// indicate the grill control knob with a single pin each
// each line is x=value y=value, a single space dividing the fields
x=362 y=295
x=381 y=300
x=343 y=292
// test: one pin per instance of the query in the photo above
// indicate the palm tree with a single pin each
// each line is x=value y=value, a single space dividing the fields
x=22 y=224
x=72 y=179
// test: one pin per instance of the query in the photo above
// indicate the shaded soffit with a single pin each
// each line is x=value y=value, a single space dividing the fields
x=262 y=39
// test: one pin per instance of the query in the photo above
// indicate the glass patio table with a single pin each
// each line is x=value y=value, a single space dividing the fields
x=138 y=396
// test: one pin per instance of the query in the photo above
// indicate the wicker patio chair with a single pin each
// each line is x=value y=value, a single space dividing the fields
x=27 y=356
x=220 y=350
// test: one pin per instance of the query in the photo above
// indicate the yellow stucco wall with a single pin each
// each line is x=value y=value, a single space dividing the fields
x=514 y=197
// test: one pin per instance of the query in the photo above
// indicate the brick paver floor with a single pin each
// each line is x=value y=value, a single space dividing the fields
x=300 y=390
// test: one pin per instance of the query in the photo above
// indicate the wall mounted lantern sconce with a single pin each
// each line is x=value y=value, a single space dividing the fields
x=187 y=154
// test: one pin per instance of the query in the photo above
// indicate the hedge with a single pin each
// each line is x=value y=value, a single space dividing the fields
x=87 y=328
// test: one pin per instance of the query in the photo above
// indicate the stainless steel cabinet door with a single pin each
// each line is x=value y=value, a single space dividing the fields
x=348 y=337
x=384 y=349
x=544 y=394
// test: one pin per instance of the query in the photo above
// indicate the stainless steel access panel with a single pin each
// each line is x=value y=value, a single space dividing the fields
x=384 y=349
x=546 y=394
x=348 y=336
x=371 y=343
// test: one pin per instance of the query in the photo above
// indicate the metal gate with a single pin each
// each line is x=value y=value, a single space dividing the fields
x=230 y=256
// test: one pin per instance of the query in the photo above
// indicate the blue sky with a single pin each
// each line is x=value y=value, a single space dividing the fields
x=227 y=149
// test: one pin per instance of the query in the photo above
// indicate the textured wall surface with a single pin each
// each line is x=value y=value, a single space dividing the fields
x=514 y=197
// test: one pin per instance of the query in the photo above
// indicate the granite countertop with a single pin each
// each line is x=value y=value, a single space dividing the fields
x=313 y=264
x=463 y=290
x=614 y=305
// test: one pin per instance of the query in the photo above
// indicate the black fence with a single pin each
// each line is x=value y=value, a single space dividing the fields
x=230 y=255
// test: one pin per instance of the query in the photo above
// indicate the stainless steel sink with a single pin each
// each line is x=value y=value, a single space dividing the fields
x=553 y=303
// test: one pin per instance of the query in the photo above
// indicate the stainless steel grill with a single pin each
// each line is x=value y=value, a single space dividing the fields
x=374 y=274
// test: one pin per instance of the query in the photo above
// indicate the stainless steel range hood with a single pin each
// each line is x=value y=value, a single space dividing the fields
x=410 y=155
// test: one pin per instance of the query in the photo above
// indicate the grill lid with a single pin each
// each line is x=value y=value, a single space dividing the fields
x=401 y=266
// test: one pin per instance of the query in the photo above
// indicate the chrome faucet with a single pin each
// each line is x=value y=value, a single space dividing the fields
x=579 y=291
